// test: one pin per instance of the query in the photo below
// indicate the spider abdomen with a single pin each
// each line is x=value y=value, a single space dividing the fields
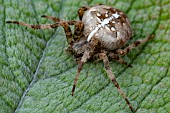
x=108 y=25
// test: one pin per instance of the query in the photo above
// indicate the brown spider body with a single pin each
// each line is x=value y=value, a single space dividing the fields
x=101 y=32
x=113 y=27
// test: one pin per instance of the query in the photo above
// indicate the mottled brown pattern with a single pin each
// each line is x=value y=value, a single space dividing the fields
x=118 y=59
x=133 y=45
x=54 y=19
x=78 y=31
x=104 y=57
x=81 y=11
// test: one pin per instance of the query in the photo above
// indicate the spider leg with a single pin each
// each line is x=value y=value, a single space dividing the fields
x=67 y=29
x=68 y=32
x=118 y=59
x=113 y=79
x=54 y=19
x=85 y=57
x=81 y=11
x=78 y=30
x=133 y=45
x=64 y=24
x=38 y=26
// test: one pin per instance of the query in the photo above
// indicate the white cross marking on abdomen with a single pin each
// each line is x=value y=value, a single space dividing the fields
x=102 y=24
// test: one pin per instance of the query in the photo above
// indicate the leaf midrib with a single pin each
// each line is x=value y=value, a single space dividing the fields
x=34 y=79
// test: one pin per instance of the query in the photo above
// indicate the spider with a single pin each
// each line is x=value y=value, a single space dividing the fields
x=100 y=34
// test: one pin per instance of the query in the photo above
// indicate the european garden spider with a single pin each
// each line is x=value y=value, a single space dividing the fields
x=100 y=33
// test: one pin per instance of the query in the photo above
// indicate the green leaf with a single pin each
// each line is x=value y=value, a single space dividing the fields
x=37 y=74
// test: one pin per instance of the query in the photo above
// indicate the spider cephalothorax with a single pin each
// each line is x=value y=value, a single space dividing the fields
x=100 y=33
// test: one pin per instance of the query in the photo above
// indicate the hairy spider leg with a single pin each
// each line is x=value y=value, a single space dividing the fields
x=118 y=59
x=37 y=26
x=81 y=11
x=86 y=55
x=54 y=19
x=133 y=45
x=64 y=24
x=68 y=32
x=78 y=30
x=77 y=33
x=113 y=79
